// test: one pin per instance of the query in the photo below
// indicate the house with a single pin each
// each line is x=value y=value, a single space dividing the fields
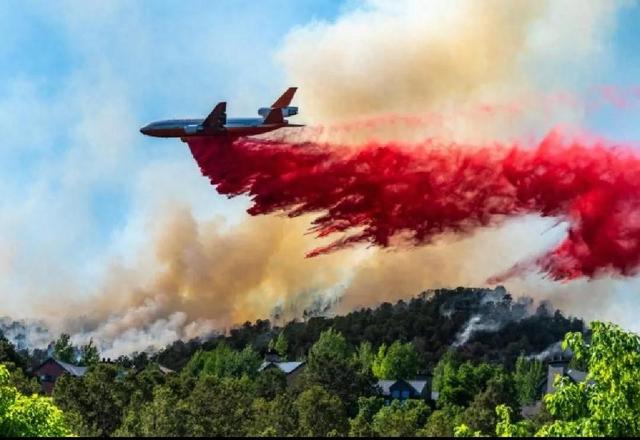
x=560 y=367
x=557 y=366
x=400 y=389
x=50 y=370
x=291 y=369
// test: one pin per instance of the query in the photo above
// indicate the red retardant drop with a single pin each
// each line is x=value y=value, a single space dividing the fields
x=374 y=192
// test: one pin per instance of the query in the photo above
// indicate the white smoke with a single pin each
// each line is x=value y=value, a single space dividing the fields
x=476 y=323
x=551 y=351
x=26 y=334
x=377 y=57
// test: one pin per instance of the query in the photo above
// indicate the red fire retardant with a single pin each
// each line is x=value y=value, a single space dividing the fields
x=376 y=191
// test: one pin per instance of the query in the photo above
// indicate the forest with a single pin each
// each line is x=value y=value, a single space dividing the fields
x=483 y=353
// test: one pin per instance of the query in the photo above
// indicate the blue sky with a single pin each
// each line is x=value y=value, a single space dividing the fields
x=77 y=80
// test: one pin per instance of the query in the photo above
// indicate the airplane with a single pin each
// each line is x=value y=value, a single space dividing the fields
x=217 y=124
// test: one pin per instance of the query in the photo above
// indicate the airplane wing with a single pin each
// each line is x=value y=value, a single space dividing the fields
x=285 y=99
x=218 y=116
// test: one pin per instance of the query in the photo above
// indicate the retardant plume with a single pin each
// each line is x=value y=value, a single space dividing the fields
x=386 y=194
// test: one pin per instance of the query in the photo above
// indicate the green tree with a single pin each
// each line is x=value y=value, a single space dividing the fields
x=528 y=376
x=607 y=403
x=93 y=403
x=332 y=366
x=481 y=416
x=457 y=384
x=270 y=382
x=63 y=350
x=506 y=428
x=360 y=425
x=18 y=379
x=23 y=416
x=219 y=407
x=161 y=417
x=320 y=413
x=399 y=361
x=364 y=356
x=442 y=422
x=223 y=361
x=274 y=418
x=401 y=419
x=89 y=354
x=281 y=345
x=9 y=355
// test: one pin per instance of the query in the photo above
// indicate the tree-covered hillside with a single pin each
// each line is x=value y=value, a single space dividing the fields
x=475 y=347
x=432 y=321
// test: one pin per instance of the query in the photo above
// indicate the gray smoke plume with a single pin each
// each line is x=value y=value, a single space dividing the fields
x=491 y=313
x=25 y=334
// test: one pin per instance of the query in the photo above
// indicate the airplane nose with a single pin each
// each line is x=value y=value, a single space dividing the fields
x=144 y=130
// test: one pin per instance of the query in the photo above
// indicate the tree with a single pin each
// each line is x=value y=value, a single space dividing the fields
x=399 y=361
x=22 y=416
x=607 y=403
x=274 y=418
x=528 y=376
x=93 y=403
x=161 y=417
x=281 y=345
x=224 y=362
x=360 y=425
x=480 y=416
x=364 y=356
x=332 y=366
x=90 y=354
x=270 y=382
x=18 y=379
x=442 y=422
x=320 y=413
x=458 y=384
x=63 y=350
x=9 y=355
x=219 y=407
x=401 y=419
x=505 y=427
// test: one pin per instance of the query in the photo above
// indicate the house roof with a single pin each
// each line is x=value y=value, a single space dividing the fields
x=286 y=367
x=577 y=376
x=385 y=386
x=418 y=385
x=69 y=368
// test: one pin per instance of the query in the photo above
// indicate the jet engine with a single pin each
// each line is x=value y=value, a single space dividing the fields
x=286 y=111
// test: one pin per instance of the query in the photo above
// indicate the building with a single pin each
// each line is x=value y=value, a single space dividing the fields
x=291 y=369
x=50 y=370
x=401 y=389
x=557 y=366
x=560 y=367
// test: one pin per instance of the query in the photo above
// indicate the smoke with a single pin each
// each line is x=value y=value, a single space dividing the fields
x=411 y=57
x=465 y=73
x=25 y=334
x=553 y=350
x=493 y=311
x=201 y=278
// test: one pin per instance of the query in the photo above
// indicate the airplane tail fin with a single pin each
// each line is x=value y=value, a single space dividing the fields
x=274 y=116
x=279 y=109
x=285 y=99
x=217 y=117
